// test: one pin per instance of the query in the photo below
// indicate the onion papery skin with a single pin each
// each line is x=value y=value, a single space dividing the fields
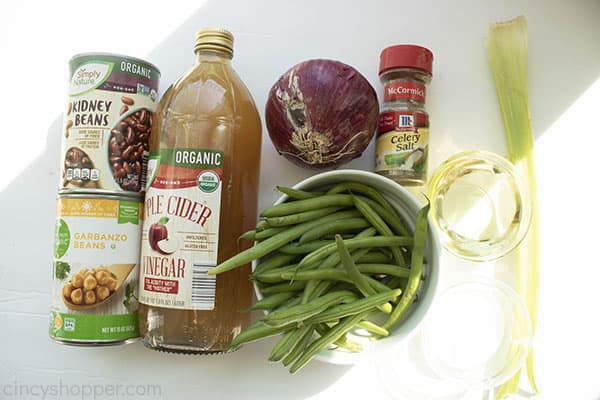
x=321 y=114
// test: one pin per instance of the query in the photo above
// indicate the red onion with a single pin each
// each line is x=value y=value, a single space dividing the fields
x=321 y=114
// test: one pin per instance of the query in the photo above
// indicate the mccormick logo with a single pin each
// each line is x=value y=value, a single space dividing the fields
x=406 y=121
x=403 y=91
x=89 y=76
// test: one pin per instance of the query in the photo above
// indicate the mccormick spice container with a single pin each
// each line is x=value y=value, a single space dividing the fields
x=201 y=196
x=94 y=280
x=107 y=123
x=403 y=133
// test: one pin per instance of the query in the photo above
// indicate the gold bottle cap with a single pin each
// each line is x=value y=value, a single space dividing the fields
x=219 y=40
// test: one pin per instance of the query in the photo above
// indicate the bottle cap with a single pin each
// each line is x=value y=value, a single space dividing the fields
x=214 y=39
x=405 y=56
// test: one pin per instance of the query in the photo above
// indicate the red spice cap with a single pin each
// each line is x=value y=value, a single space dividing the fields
x=405 y=56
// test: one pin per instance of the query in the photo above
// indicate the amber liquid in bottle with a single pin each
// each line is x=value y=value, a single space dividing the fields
x=209 y=107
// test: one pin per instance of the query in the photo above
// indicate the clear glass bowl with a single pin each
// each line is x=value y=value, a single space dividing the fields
x=480 y=205
x=475 y=337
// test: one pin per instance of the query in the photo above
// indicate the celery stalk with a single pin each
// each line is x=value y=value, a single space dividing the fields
x=507 y=55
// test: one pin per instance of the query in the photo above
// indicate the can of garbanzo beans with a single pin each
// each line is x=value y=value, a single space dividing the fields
x=95 y=272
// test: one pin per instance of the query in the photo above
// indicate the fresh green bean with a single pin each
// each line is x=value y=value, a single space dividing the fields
x=301 y=312
x=377 y=241
x=289 y=303
x=343 y=342
x=274 y=275
x=377 y=286
x=270 y=302
x=262 y=225
x=274 y=242
x=284 y=287
x=332 y=200
x=416 y=270
x=380 y=268
x=392 y=218
x=250 y=235
x=366 y=304
x=328 y=274
x=373 y=328
x=331 y=336
x=334 y=258
x=320 y=288
x=333 y=274
x=258 y=330
x=314 y=289
x=359 y=279
x=331 y=236
x=297 y=194
x=372 y=257
x=293 y=219
x=286 y=344
x=304 y=248
x=268 y=232
x=300 y=346
x=356 y=187
x=339 y=226
x=274 y=261
x=378 y=223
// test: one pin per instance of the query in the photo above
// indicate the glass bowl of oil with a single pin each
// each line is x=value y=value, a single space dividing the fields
x=480 y=205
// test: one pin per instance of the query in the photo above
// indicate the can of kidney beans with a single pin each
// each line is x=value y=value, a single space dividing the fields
x=107 y=123
x=96 y=269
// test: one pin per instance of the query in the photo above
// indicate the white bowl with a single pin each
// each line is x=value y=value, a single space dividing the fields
x=407 y=207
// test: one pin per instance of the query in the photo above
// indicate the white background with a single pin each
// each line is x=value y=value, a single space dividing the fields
x=38 y=38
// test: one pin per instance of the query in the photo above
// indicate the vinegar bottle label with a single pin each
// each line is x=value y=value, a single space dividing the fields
x=181 y=228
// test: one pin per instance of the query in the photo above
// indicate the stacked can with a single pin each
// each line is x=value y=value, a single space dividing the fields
x=107 y=125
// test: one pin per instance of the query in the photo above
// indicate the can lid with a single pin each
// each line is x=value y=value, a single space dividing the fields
x=214 y=39
x=405 y=56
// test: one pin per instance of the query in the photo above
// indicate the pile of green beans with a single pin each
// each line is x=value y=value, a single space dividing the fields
x=329 y=262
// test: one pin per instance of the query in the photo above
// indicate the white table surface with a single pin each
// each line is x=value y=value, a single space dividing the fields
x=37 y=40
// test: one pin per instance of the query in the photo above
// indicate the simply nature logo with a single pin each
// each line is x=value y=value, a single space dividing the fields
x=89 y=76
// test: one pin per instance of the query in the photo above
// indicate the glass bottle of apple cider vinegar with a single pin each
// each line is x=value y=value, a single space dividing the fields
x=201 y=196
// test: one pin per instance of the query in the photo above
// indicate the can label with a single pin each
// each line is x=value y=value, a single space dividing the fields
x=96 y=258
x=402 y=143
x=181 y=229
x=107 y=123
